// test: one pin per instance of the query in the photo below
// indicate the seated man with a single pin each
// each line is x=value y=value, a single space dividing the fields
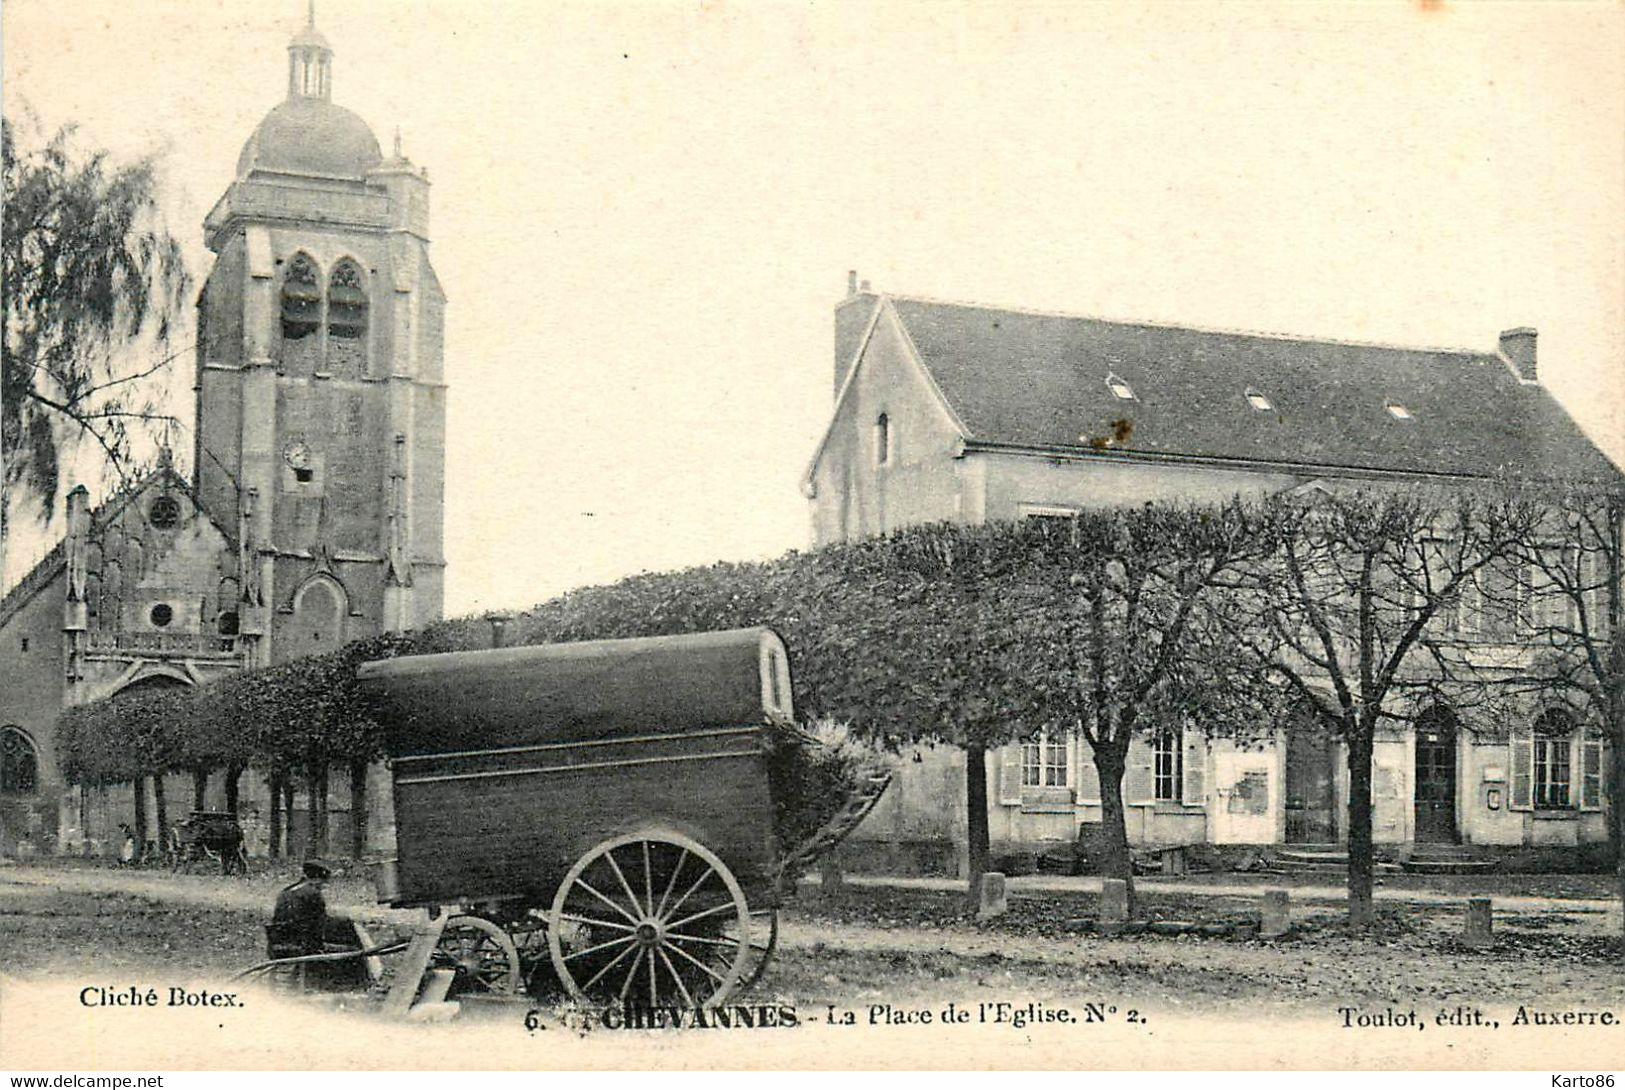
x=300 y=926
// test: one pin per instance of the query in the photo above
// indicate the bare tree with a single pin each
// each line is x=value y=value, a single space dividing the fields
x=1358 y=613
x=1571 y=569
x=1119 y=633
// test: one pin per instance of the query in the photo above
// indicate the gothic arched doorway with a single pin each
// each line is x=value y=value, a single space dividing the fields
x=1436 y=731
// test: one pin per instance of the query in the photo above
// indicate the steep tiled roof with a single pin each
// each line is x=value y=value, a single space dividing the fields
x=1041 y=380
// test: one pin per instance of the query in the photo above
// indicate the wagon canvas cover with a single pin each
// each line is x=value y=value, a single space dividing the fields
x=565 y=692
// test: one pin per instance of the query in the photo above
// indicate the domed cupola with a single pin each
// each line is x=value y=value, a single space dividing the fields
x=306 y=134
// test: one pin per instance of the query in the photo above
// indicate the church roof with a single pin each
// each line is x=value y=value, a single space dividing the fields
x=1050 y=381
x=49 y=565
x=311 y=136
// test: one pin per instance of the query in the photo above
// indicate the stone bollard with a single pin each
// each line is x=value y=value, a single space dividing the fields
x=1276 y=918
x=1478 y=928
x=990 y=899
x=1113 y=901
x=831 y=879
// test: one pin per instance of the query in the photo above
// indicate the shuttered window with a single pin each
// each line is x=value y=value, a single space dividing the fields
x=1552 y=760
x=1168 y=765
x=1044 y=762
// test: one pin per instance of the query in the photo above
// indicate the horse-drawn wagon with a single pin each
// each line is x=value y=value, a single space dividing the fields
x=601 y=813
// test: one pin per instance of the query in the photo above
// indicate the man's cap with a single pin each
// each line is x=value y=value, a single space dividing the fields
x=315 y=868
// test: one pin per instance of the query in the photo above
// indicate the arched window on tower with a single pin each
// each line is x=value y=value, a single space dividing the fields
x=347 y=321
x=19 y=763
x=301 y=316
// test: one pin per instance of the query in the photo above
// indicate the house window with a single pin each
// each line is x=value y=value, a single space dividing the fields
x=1259 y=401
x=1553 y=760
x=882 y=439
x=19 y=763
x=1399 y=412
x=1120 y=389
x=1168 y=765
x=1044 y=763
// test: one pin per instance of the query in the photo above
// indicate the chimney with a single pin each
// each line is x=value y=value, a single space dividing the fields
x=851 y=282
x=1518 y=348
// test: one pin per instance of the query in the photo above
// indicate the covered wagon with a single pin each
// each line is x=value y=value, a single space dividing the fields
x=600 y=811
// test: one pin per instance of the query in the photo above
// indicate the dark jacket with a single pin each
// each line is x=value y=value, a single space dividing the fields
x=298 y=921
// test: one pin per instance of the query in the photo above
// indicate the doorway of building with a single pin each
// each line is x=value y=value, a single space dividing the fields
x=1436 y=777
x=1311 y=794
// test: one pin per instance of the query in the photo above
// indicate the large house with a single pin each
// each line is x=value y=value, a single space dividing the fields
x=313 y=514
x=971 y=413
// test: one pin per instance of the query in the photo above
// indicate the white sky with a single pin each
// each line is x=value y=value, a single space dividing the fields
x=644 y=212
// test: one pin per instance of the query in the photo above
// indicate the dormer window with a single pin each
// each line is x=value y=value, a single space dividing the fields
x=1122 y=390
x=1259 y=401
x=1399 y=412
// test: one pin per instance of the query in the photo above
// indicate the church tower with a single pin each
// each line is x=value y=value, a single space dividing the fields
x=320 y=388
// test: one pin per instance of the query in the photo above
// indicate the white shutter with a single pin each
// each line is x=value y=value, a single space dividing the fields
x=1522 y=752
x=1010 y=775
x=1195 y=769
x=1591 y=771
x=1139 y=782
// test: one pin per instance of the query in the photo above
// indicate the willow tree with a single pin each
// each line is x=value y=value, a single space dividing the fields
x=94 y=287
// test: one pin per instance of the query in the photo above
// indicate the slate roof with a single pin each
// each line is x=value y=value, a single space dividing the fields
x=1041 y=380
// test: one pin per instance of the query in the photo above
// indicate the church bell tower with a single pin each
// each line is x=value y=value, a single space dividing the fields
x=320 y=386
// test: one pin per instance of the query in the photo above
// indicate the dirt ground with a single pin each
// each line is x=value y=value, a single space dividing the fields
x=907 y=950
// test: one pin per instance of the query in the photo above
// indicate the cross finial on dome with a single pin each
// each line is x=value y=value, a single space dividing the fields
x=310 y=15
x=397 y=134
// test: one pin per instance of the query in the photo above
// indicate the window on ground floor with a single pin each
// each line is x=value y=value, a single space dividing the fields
x=1044 y=763
x=1168 y=765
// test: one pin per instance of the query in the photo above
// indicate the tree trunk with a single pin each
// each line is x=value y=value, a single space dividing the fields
x=140 y=816
x=1362 y=861
x=319 y=805
x=200 y=788
x=287 y=814
x=274 y=848
x=976 y=834
x=313 y=825
x=1116 y=862
x=358 y=809
x=162 y=806
x=234 y=775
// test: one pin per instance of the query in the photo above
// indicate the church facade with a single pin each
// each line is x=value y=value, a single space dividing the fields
x=314 y=511
x=951 y=412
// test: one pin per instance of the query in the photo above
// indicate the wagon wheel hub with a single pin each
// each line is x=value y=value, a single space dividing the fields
x=650 y=933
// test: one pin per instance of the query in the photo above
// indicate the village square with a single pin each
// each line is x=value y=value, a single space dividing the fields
x=1115 y=673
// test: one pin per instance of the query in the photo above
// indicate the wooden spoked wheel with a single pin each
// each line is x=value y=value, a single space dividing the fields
x=651 y=919
x=762 y=941
x=482 y=955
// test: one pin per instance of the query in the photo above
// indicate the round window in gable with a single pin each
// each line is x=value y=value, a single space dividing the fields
x=161 y=615
x=164 y=513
